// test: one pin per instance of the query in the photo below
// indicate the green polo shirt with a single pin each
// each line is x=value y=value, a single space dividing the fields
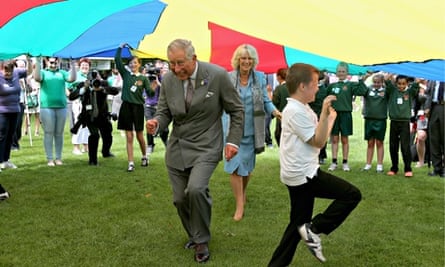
x=400 y=102
x=344 y=91
x=133 y=85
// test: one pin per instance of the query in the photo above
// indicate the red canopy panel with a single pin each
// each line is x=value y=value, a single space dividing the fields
x=16 y=7
x=224 y=41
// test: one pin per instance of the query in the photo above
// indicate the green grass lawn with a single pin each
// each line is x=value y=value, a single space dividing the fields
x=78 y=215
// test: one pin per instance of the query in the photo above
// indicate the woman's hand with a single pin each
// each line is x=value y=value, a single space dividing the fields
x=277 y=114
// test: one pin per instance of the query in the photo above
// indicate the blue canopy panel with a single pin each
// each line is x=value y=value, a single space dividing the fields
x=431 y=69
x=322 y=63
x=126 y=26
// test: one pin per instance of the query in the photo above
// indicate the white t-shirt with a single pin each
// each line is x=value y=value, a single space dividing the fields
x=298 y=159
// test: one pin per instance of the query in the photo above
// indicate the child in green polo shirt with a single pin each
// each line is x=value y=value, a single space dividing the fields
x=399 y=107
x=375 y=113
x=344 y=90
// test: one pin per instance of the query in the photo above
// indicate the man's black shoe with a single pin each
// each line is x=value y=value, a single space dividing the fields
x=190 y=244
x=435 y=173
x=202 y=253
x=109 y=155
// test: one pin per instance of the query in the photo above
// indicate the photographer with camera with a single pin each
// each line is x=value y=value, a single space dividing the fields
x=154 y=74
x=95 y=114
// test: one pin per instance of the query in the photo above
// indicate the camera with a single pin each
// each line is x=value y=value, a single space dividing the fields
x=152 y=72
x=95 y=80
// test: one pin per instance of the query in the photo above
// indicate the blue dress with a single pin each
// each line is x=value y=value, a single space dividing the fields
x=244 y=161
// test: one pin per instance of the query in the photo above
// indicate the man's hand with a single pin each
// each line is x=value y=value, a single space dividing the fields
x=151 y=126
x=230 y=151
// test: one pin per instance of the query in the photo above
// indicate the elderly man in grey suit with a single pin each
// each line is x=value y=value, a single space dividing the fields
x=193 y=96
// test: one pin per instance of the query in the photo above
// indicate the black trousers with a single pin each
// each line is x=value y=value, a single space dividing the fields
x=436 y=135
x=277 y=132
x=399 y=133
x=268 y=137
x=149 y=113
x=18 y=132
x=100 y=127
x=302 y=198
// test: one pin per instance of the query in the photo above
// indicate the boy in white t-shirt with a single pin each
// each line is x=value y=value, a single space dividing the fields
x=302 y=137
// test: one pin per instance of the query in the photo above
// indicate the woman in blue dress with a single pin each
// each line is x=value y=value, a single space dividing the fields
x=251 y=85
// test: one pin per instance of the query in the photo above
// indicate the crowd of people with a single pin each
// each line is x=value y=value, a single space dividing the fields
x=204 y=115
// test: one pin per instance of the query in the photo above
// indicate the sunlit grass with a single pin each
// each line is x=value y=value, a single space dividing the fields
x=78 y=215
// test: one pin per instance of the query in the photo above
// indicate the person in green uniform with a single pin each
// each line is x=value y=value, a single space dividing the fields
x=399 y=108
x=317 y=105
x=344 y=90
x=375 y=114
x=279 y=99
x=131 y=113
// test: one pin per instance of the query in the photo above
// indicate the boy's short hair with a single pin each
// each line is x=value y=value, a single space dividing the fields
x=299 y=73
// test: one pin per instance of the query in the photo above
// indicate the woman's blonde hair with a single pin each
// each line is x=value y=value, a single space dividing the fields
x=240 y=50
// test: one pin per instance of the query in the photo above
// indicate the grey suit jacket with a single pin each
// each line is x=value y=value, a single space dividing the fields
x=197 y=135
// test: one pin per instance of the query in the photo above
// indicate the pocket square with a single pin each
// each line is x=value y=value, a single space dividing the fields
x=209 y=94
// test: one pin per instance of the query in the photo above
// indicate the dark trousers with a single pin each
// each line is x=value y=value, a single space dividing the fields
x=277 y=132
x=192 y=199
x=18 y=131
x=323 y=154
x=399 y=134
x=101 y=127
x=325 y=185
x=268 y=139
x=8 y=124
x=436 y=135
x=149 y=113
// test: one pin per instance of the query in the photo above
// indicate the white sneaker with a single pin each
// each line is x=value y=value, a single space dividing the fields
x=8 y=165
x=77 y=152
x=149 y=149
x=332 y=167
x=4 y=195
x=313 y=241
x=346 y=167
x=367 y=167
x=130 y=167
x=144 y=162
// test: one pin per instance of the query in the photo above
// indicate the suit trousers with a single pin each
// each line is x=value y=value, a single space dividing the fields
x=436 y=135
x=302 y=198
x=192 y=199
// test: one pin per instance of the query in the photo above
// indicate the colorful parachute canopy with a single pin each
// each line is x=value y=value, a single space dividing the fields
x=366 y=32
x=75 y=28
x=373 y=34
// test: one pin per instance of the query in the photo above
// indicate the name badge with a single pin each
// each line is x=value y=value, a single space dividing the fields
x=89 y=107
x=133 y=88
x=399 y=101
